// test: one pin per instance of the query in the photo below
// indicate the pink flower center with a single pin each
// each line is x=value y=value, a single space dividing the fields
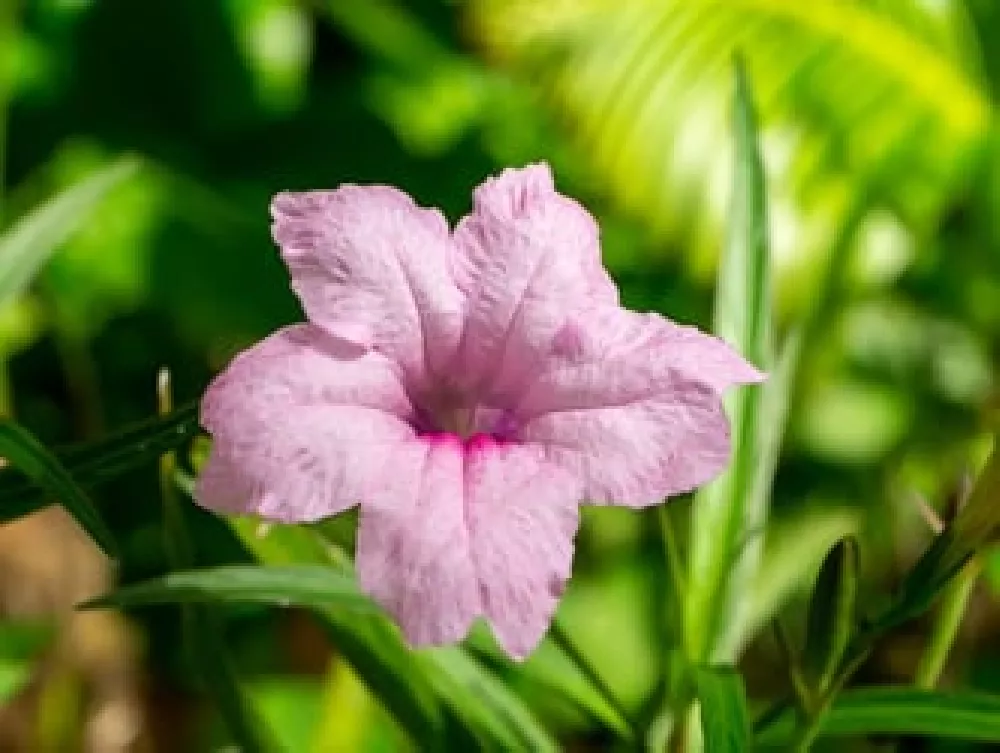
x=465 y=420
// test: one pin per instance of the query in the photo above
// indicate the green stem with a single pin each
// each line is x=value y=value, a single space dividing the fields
x=200 y=628
x=572 y=651
x=672 y=553
x=953 y=605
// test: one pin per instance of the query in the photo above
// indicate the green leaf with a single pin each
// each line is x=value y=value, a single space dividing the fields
x=727 y=516
x=25 y=452
x=743 y=288
x=27 y=245
x=420 y=688
x=368 y=642
x=287 y=585
x=100 y=461
x=901 y=711
x=201 y=627
x=498 y=716
x=724 y=718
x=976 y=526
x=552 y=671
x=831 y=622
x=750 y=611
x=857 y=91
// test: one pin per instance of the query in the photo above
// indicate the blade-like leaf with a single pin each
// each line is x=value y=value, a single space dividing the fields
x=498 y=716
x=977 y=525
x=420 y=688
x=201 y=628
x=724 y=718
x=26 y=246
x=854 y=90
x=368 y=642
x=23 y=451
x=902 y=711
x=299 y=585
x=831 y=620
x=728 y=517
x=100 y=461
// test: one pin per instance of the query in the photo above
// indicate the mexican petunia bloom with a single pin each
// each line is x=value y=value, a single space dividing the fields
x=469 y=389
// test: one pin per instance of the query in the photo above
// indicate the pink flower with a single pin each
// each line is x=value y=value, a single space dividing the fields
x=469 y=389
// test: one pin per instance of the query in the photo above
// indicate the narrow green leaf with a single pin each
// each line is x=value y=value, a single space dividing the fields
x=28 y=244
x=831 y=622
x=775 y=398
x=954 y=603
x=201 y=627
x=420 y=688
x=901 y=711
x=287 y=585
x=976 y=525
x=727 y=516
x=496 y=714
x=724 y=718
x=100 y=461
x=551 y=671
x=22 y=450
x=371 y=645
x=742 y=302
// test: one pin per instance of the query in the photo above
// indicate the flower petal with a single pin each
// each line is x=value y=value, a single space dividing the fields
x=631 y=404
x=371 y=267
x=302 y=425
x=523 y=516
x=524 y=258
x=413 y=545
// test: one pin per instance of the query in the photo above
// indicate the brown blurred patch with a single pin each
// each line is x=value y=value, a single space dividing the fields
x=86 y=686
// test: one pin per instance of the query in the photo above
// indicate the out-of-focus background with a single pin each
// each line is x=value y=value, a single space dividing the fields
x=182 y=117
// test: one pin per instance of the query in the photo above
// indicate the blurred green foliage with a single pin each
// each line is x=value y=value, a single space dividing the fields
x=879 y=142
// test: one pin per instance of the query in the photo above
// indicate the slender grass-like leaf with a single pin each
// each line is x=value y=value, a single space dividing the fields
x=901 y=711
x=288 y=585
x=832 y=619
x=100 y=461
x=422 y=689
x=28 y=244
x=368 y=642
x=551 y=671
x=975 y=526
x=26 y=453
x=478 y=698
x=201 y=628
x=728 y=517
x=724 y=718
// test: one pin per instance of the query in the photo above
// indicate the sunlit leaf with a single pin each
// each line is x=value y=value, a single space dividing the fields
x=727 y=509
x=857 y=96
